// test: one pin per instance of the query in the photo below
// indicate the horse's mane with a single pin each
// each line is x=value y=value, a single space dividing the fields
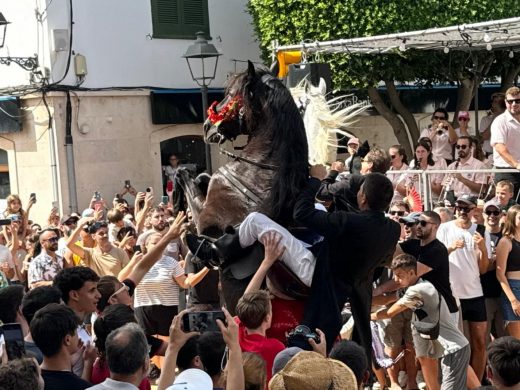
x=270 y=113
x=324 y=119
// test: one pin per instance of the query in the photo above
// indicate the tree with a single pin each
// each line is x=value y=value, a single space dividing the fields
x=293 y=21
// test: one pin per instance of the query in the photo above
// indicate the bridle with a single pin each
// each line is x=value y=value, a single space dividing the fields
x=234 y=111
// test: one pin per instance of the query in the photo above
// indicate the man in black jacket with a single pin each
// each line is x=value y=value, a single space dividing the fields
x=358 y=243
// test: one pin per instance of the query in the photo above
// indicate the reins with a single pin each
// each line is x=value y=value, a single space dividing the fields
x=244 y=159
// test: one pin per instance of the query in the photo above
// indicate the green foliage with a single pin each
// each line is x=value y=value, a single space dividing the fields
x=294 y=21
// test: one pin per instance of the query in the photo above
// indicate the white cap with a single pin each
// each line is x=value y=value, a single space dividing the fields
x=88 y=213
x=192 y=379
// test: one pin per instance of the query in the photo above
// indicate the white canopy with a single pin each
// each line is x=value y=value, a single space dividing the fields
x=504 y=34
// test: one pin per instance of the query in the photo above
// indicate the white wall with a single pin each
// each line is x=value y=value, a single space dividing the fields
x=21 y=39
x=114 y=35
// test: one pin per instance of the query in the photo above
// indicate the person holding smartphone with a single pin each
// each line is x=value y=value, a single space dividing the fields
x=442 y=134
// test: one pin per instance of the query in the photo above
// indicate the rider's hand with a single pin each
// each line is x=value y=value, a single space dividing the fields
x=318 y=171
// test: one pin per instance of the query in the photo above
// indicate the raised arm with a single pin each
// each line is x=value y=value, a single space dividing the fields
x=71 y=241
x=273 y=251
x=155 y=253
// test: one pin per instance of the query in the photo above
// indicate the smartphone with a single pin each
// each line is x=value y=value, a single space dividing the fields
x=149 y=189
x=14 y=343
x=4 y=222
x=127 y=184
x=13 y=217
x=137 y=248
x=164 y=199
x=33 y=197
x=202 y=321
x=97 y=195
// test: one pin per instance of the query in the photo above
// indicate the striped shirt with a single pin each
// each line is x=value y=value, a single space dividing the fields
x=158 y=286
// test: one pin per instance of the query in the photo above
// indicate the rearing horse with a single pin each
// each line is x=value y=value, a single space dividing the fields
x=270 y=170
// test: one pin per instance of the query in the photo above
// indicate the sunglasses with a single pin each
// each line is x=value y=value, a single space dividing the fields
x=496 y=213
x=410 y=224
x=464 y=209
x=511 y=101
x=395 y=212
x=52 y=239
x=463 y=147
x=463 y=119
x=423 y=223
x=124 y=287
x=440 y=118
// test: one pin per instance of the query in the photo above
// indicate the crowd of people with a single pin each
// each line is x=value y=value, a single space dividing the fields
x=98 y=299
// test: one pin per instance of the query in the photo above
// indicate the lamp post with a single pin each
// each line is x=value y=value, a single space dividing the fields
x=203 y=75
x=3 y=23
x=28 y=63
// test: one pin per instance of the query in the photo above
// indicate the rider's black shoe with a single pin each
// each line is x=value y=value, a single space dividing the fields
x=228 y=246
x=226 y=249
x=202 y=249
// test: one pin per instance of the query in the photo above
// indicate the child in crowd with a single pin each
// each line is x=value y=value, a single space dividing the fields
x=254 y=314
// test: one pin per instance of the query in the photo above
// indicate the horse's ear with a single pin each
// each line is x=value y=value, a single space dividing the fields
x=251 y=73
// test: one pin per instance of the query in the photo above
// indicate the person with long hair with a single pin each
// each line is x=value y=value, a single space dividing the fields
x=399 y=162
x=424 y=160
x=508 y=270
x=14 y=207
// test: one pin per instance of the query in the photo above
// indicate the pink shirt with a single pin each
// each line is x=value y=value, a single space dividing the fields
x=458 y=186
x=505 y=130
x=441 y=146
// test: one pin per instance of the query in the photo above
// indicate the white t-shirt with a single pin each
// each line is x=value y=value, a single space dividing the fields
x=505 y=130
x=158 y=286
x=464 y=271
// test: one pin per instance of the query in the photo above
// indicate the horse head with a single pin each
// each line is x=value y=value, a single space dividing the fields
x=258 y=105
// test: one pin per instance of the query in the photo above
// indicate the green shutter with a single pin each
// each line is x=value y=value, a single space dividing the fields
x=179 y=18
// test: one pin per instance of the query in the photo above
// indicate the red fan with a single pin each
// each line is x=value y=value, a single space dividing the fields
x=414 y=200
x=169 y=187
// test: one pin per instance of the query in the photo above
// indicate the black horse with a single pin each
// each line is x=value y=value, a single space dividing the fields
x=269 y=172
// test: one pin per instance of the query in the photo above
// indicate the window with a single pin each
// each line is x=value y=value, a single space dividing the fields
x=179 y=19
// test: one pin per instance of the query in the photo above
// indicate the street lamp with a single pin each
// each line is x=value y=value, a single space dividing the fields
x=3 y=23
x=205 y=71
x=27 y=63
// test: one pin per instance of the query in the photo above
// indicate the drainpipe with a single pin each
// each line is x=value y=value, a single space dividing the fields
x=52 y=150
x=71 y=174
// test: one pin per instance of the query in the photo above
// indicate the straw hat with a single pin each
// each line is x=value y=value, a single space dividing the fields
x=311 y=371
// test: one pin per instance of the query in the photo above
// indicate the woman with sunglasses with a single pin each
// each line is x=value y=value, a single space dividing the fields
x=442 y=135
x=463 y=128
x=424 y=161
x=399 y=162
x=508 y=270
